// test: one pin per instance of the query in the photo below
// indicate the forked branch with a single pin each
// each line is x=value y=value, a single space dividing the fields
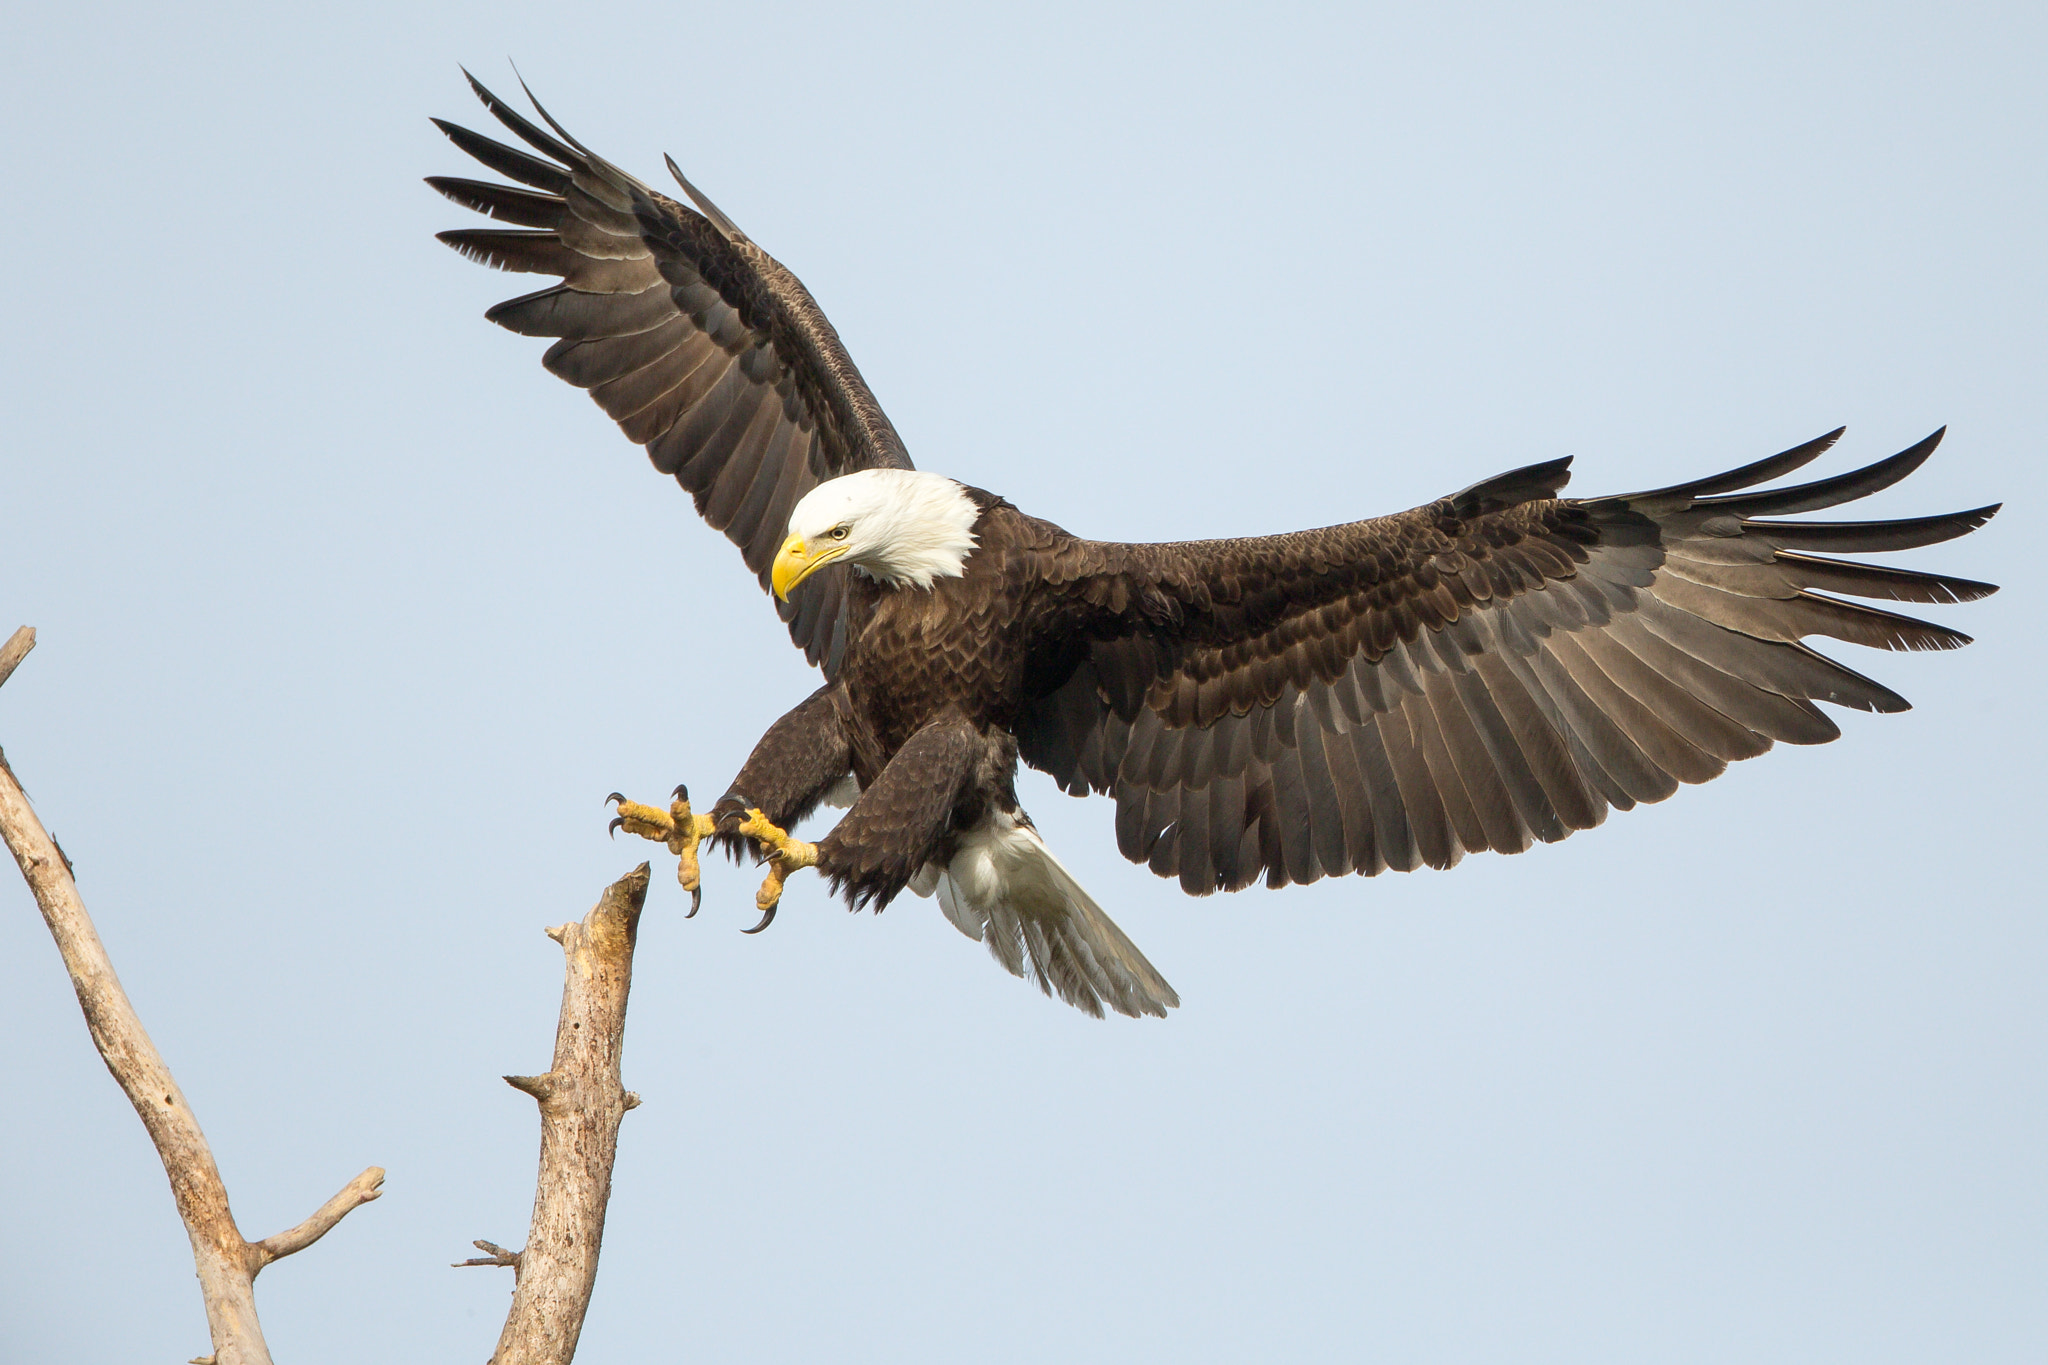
x=227 y=1264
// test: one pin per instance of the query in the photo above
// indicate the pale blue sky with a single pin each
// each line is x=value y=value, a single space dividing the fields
x=351 y=615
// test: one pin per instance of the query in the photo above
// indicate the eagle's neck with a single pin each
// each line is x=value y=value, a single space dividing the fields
x=923 y=531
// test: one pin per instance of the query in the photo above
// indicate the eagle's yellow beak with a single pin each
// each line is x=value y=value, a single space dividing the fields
x=796 y=561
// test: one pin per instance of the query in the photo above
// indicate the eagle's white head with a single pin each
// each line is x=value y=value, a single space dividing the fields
x=905 y=527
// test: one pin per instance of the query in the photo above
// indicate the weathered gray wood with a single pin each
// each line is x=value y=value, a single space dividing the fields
x=581 y=1104
x=15 y=650
x=227 y=1264
x=351 y=1196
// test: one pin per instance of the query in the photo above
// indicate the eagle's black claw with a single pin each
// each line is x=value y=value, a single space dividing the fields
x=613 y=828
x=767 y=918
x=681 y=793
x=696 y=899
x=614 y=798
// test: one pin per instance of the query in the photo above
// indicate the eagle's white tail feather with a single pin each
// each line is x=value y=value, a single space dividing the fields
x=1005 y=887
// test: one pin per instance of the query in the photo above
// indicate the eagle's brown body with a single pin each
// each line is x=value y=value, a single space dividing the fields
x=964 y=645
x=1499 y=667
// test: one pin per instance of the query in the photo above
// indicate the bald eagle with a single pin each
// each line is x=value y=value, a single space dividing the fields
x=1501 y=666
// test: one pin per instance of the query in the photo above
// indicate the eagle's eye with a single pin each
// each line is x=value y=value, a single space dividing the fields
x=839 y=533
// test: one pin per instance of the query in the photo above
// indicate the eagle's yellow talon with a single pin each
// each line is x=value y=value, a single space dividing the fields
x=784 y=854
x=679 y=828
x=648 y=822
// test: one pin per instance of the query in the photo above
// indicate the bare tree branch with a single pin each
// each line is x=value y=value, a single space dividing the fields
x=353 y=1195
x=227 y=1264
x=15 y=650
x=581 y=1103
x=498 y=1256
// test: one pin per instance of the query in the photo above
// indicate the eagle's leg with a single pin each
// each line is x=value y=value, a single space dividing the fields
x=678 y=827
x=792 y=769
x=784 y=854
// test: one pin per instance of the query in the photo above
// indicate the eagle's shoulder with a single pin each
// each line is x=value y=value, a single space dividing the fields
x=1002 y=526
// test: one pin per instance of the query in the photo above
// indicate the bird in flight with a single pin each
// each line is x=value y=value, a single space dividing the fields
x=1502 y=666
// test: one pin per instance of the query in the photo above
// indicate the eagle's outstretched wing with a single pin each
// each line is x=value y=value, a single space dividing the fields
x=1499 y=667
x=699 y=344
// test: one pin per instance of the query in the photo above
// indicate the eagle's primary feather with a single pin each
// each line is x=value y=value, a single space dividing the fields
x=1499 y=667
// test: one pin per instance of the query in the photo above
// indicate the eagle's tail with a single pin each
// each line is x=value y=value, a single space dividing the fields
x=1005 y=887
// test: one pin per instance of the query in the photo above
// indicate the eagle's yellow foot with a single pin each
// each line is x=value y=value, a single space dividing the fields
x=677 y=827
x=784 y=854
